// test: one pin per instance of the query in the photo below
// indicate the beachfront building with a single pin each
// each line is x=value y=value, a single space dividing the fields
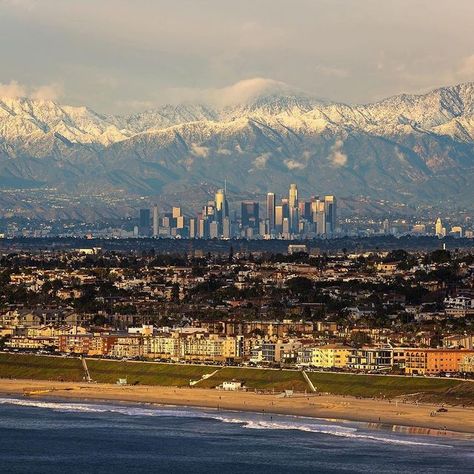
x=371 y=358
x=198 y=347
x=32 y=343
x=86 y=344
x=232 y=385
x=327 y=357
x=434 y=361
x=467 y=364
x=212 y=347
x=128 y=347
x=274 y=352
x=165 y=346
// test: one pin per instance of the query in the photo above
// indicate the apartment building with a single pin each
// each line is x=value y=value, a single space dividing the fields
x=434 y=361
x=328 y=357
x=274 y=352
x=370 y=358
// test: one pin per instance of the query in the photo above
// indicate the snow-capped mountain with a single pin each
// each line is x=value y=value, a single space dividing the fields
x=404 y=148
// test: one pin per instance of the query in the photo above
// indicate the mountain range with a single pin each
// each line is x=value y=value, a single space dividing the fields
x=406 y=149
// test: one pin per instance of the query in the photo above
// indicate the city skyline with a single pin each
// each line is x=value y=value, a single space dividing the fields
x=236 y=236
x=291 y=218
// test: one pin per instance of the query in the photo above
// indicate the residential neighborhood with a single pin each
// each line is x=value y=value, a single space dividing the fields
x=376 y=312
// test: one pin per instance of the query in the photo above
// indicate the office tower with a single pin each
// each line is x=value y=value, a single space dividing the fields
x=192 y=228
x=208 y=210
x=176 y=212
x=304 y=209
x=293 y=219
x=249 y=213
x=156 y=222
x=166 y=220
x=213 y=230
x=226 y=228
x=221 y=204
x=439 y=227
x=330 y=214
x=293 y=196
x=293 y=207
x=203 y=228
x=262 y=227
x=144 y=223
x=285 y=206
x=221 y=210
x=286 y=227
x=200 y=228
x=319 y=216
x=271 y=212
x=180 y=222
x=278 y=218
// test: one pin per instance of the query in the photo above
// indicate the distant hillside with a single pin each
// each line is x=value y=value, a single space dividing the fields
x=408 y=148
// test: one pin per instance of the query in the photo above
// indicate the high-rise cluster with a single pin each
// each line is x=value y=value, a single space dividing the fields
x=289 y=218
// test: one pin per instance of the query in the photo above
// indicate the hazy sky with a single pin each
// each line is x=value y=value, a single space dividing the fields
x=120 y=56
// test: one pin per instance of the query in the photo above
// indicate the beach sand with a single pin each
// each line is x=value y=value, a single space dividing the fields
x=413 y=418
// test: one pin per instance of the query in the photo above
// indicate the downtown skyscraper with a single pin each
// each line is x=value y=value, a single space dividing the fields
x=288 y=218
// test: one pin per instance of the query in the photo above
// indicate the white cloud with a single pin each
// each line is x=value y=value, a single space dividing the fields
x=47 y=92
x=200 y=151
x=14 y=89
x=337 y=157
x=240 y=92
x=294 y=165
x=261 y=161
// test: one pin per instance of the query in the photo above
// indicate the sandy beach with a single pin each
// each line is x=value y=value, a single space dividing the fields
x=396 y=415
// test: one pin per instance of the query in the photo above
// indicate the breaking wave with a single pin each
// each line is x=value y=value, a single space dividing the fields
x=252 y=422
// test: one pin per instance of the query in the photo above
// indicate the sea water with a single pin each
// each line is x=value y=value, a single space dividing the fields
x=53 y=436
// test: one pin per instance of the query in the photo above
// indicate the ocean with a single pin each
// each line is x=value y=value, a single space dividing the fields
x=54 y=436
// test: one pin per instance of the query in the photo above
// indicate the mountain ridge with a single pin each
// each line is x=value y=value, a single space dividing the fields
x=405 y=148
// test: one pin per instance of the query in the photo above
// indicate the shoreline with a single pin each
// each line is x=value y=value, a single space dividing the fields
x=395 y=416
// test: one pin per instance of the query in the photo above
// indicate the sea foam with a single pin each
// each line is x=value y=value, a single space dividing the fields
x=248 y=421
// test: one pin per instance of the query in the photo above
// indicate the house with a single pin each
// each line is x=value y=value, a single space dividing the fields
x=231 y=385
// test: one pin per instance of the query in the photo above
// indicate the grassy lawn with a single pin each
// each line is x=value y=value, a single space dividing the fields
x=18 y=366
x=146 y=373
x=376 y=386
x=263 y=379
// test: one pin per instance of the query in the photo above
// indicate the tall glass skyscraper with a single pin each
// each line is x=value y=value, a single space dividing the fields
x=293 y=196
x=144 y=223
x=221 y=209
x=330 y=211
x=250 y=214
x=271 y=211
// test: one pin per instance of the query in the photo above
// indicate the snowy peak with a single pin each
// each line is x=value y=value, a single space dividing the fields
x=20 y=118
x=26 y=125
